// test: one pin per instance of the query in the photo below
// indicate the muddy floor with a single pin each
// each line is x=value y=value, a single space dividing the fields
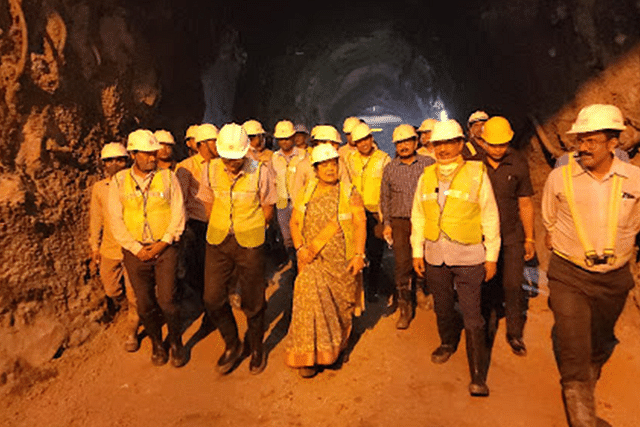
x=388 y=380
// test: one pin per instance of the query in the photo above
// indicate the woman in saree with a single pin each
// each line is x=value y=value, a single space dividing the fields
x=328 y=228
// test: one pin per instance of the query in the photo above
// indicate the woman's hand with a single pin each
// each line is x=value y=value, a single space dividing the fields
x=356 y=265
x=305 y=256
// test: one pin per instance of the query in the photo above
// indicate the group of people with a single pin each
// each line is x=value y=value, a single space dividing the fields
x=456 y=209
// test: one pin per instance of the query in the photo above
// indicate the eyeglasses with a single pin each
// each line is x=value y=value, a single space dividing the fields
x=592 y=141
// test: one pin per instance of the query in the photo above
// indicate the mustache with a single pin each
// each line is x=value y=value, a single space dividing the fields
x=583 y=153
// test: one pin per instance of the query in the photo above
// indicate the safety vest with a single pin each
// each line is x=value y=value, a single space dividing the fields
x=147 y=213
x=366 y=176
x=285 y=173
x=460 y=217
x=345 y=216
x=590 y=256
x=236 y=204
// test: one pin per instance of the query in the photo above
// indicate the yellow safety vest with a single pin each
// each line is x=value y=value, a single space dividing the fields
x=367 y=176
x=236 y=204
x=284 y=174
x=460 y=217
x=590 y=256
x=345 y=215
x=146 y=214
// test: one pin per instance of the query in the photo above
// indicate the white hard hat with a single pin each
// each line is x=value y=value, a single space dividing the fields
x=446 y=130
x=360 y=131
x=113 y=150
x=478 y=116
x=349 y=124
x=233 y=141
x=284 y=129
x=598 y=117
x=327 y=133
x=253 y=127
x=142 y=140
x=404 y=132
x=205 y=131
x=427 y=125
x=164 y=137
x=323 y=152
x=191 y=132
x=300 y=128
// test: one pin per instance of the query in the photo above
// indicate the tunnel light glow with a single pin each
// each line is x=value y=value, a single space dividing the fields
x=376 y=129
x=383 y=119
x=444 y=116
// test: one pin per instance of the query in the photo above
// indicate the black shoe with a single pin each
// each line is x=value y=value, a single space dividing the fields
x=178 y=354
x=159 y=355
x=308 y=372
x=442 y=354
x=517 y=346
x=478 y=390
x=258 y=362
x=229 y=358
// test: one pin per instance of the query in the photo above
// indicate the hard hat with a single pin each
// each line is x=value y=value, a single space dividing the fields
x=360 y=132
x=204 y=132
x=404 y=132
x=253 y=127
x=449 y=129
x=598 y=117
x=233 y=141
x=113 y=150
x=191 y=132
x=300 y=128
x=142 y=140
x=164 y=137
x=323 y=152
x=496 y=131
x=427 y=125
x=478 y=116
x=284 y=129
x=327 y=133
x=349 y=124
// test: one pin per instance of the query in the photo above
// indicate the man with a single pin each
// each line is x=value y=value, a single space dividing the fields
x=424 y=135
x=591 y=212
x=399 y=182
x=147 y=218
x=284 y=163
x=350 y=146
x=257 y=136
x=106 y=253
x=189 y=141
x=366 y=166
x=166 y=155
x=473 y=149
x=244 y=195
x=509 y=174
x=301 y=138
x=191 y=173
x=456 y=229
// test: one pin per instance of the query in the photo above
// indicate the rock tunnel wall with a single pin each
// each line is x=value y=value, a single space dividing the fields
x=77 y=74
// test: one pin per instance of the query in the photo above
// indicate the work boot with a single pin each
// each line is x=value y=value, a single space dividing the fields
x=308 y=371
x=517 y=346
x=477 y=356
x=441 y=354
x=132 y=343
x=579 y=404
x=177 y=352
x=223 y=318
x=255 y=334
x=153 y=326
x=406 y=309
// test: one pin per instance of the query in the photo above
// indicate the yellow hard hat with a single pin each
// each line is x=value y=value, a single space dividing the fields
x=191 y=132
x=204 y=132
x=326 y=133
x=403 y=132
x=284 y=129
x=253 y=127
x=496 y=131
x=349 y=124
x=427 y=125
x=360 y=132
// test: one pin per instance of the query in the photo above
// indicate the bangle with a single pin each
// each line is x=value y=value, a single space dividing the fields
x=299 y=247
x=529 y=240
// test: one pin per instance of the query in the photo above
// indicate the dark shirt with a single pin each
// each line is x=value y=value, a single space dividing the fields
x=399 y=181
x=510 y=181
x=472 y=150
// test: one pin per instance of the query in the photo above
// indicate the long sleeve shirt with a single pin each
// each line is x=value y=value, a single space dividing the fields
x=100 y=235
x=191 y=173
x=116 y=213
x=445 y=251
x=592 y=205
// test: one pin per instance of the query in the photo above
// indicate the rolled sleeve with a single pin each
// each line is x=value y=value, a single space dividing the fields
x=267 y=186
x=176 y=225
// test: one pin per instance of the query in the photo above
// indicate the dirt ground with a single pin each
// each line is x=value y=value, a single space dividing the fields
x=387 y=380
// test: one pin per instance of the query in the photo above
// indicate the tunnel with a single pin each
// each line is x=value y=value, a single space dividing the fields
x=76 y=74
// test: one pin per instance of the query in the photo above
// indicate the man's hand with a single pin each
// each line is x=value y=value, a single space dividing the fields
x=490 y=268
x=387 y=233
x=95 y=262
x=152 y=251
x=529 y=250
x=356 y=265
x=418 y=266
x=547 y=241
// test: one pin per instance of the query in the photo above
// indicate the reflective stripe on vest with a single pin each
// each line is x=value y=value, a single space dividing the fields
x=367 y=176
x=285 y=172
x=147 y=213
x=471 y=148
x=615 y=197
x=460 y=218
x=345 y=216
x=236 y=205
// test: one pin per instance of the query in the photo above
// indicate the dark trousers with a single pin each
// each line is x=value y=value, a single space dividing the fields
x=374 y=249
x=585 y=308
x=402 y=253
x=221 y=260
x=444 y=282
x=154 y=284
x=192 y=252
x=506 y=287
